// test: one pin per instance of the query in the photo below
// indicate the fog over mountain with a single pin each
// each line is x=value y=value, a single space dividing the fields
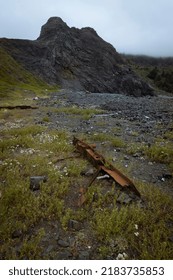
x=132 y=27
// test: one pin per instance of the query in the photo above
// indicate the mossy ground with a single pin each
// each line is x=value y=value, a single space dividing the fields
x=28 y=150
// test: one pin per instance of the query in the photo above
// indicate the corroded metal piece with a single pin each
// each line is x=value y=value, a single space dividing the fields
x=100 y=163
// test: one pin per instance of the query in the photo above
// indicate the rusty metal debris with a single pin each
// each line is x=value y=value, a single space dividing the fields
x=22 y=107
x=102 y=166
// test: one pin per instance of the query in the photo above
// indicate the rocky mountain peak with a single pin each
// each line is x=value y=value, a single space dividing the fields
x=52 y=27
x=78 y=59
x=89 y=30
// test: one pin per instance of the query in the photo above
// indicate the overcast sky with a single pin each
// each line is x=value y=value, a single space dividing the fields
x=131 y=26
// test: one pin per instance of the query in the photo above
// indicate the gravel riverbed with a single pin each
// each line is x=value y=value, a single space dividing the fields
x=137 y=121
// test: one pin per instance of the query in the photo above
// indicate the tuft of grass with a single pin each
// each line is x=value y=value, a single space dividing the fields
x=133 y=148
x=160 y=154
x=102 y=137
x=161 y=151
x=85 y=113
x=46 y=119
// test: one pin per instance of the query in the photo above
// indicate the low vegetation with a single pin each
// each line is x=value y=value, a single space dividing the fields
x=110 y=139
x=35 y=150
x=143 y=232
x=160 y=151
x=26 y=152
x=85 y=113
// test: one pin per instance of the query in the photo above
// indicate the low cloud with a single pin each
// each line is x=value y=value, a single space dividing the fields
x=137 y=27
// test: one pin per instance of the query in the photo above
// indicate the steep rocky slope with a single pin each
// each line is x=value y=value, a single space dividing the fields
x=76 y=58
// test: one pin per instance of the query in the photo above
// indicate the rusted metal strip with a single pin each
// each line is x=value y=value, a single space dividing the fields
x=99 y=161
x=93 y=178
x=121 y=179
x=22 y=107
x=82 y=191
x=89 y=152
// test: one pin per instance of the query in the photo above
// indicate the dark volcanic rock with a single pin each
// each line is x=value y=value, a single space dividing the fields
x=76 y=58
x=35 y=182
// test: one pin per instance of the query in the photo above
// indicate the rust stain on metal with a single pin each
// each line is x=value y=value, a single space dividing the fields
x=100 y=163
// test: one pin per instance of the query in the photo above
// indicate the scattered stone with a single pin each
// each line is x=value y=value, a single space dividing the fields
x=73 y=224
x=122 y=256
x=35 y=182
x=126 y=157
x=114 y=159
x=65 y=255
x=163 y=179
x=88 y=172
x=49 y=249
x=136 y=226
x=84 y=255
x=167 y=176
x=124 y=198
x=117 y=150
x=63 y=243
x=17 y=233
x=57 y=236
x=136 y=155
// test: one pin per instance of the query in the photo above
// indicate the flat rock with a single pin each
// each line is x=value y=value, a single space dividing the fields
x=35 y=182
x=17 y=233
x=84 y=255
x=124 y=198
x=63 y=243
x=73 y=224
